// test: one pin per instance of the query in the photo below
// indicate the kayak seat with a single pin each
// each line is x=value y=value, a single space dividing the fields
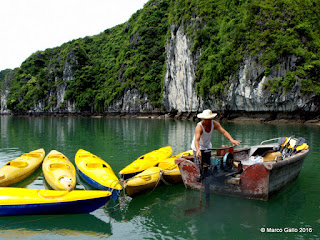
x=56 y=156
x=52 y=194
x=146 y=178
x=94 y=165
x=18 y=164
x=167 y=165
x=33 y=155
x=57 y=166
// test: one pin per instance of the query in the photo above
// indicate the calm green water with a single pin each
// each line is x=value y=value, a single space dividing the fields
x=159 y=214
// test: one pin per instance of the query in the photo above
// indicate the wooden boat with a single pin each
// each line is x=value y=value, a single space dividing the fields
x=58 y=171
x=97 y=172
x=18 y=169
x=170 y=173
x=143 y=182
x=247 y=172
x=144 y=162
x=23 y=201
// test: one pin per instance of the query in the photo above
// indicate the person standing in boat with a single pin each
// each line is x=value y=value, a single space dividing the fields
x=203 y=132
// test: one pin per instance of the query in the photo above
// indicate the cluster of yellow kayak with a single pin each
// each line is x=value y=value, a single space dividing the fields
x=59 y=173
x=143 y=174
x=149 y=170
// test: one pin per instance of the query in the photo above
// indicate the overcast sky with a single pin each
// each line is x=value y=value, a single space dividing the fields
x=27 y=26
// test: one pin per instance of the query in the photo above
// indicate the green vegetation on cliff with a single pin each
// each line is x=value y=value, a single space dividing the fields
x=98 y=70
x=271 y=30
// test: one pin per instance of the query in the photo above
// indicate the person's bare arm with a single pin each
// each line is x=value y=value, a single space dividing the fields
x=217 y=126
x=197 y=135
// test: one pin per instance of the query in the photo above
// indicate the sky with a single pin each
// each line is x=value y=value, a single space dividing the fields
x=27 y=26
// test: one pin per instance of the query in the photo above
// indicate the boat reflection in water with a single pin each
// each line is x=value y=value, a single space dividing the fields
x=224 y=216
x=89 y=225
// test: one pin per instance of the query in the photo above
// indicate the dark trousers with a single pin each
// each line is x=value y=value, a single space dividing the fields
x=206 y=155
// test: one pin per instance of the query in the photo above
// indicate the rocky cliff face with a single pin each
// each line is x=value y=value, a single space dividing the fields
x=4 y=92
x=3 y=96
x=131 y=102
x=246 y=91
x=179 y=83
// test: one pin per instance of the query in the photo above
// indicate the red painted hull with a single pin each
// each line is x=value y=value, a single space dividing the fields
x=258 y=181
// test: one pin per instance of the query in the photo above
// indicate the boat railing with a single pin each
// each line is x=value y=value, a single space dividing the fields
x=270 y=140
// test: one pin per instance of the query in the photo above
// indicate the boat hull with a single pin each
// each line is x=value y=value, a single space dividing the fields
x=97 y=173
x=21 y=201
x=20 y=168
x=95 y=184
x=258 y=181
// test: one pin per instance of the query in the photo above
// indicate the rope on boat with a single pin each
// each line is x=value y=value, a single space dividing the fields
x=121 y=200
x=162 y=178
x=159 y=179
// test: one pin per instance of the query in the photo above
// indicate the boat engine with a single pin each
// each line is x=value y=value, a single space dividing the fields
x=217 y=167
x=222 y=163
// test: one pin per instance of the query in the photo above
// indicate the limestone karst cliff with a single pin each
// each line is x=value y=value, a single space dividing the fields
x=181 y=56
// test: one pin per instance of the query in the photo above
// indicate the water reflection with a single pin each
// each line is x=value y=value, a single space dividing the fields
x=162 y=213
x=81 y=226
x=155 y=215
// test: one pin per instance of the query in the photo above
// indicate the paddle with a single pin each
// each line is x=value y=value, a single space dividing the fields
x=299 y=142
x=281 y=142
x=285 y=146
x=304 y=146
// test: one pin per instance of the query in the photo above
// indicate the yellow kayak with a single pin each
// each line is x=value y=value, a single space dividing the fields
x=22 y=201
x=58 y=171
x=142 y=182
x=18 y=169
x=145 y=161
x=97 y=172
x=170 y=173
